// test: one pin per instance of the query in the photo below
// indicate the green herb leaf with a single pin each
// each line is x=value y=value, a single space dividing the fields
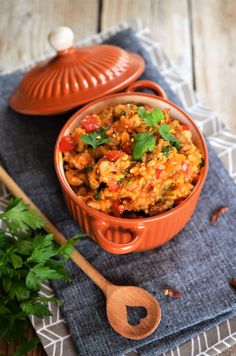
x=44 y=248
x=87 y=169
x=16 y=260
x=151 y=118
x=143 y=142
x=96 y=139
x=4 y=310
x=121 y=179
x=40 y=273
x=68 y=248
x=21 y=291
x=97 y=196
x=26 y=260
x=166 y=150
x=59 y=266
x=24 y=247
x=201 y=163
x=165 y=133
x=34 y=308
x=18 y=215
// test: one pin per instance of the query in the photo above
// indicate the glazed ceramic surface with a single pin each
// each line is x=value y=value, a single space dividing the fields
x=118 y=235
x=75 y=76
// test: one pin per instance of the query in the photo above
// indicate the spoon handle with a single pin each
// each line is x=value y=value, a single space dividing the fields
x=76 y=257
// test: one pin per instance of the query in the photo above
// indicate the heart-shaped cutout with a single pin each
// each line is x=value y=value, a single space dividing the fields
x=135 y=314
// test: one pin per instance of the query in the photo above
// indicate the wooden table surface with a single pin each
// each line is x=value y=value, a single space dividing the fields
x=198 y=35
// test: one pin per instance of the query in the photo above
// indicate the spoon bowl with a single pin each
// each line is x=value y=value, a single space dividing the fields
x=119 y=299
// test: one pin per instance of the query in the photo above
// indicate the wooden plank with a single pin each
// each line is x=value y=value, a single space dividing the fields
x=24 y=26
x=214 y=33
x=8 y=349
x=167 y=19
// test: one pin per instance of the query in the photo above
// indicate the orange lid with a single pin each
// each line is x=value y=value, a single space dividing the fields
x=74 y=76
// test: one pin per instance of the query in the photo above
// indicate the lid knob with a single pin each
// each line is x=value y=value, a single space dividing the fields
x=61 y=38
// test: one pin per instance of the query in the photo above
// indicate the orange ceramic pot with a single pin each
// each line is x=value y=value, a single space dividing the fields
x=119 y=235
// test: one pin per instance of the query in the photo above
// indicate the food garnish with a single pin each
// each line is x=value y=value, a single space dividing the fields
x=166 y=150
x=218 y=213
x=165 y=133
x=152 y=117
x=96 y=139
x=27 y=258
x=202 y=163
x=143 y=142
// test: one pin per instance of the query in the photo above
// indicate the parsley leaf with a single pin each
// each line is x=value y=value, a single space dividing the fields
x=143 y=142
x=166 y=150
x=165 y=133
x=121 y=179
x=18 y=215
x=151 y=118
x=16 y=260
x=97 y=196
x=27 y=258
x=37 y=309
x=67 y=249
x=201 y=163
x=96 y=138
x=39 y=274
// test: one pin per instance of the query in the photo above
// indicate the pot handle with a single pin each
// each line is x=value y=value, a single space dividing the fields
x=117 y=248
x=147 y=84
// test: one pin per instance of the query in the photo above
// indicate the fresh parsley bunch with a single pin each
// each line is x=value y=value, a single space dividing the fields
x=27 y=259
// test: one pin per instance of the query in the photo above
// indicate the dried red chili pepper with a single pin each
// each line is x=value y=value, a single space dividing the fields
x=218 y=213
x=232 y=282
x=168 y=292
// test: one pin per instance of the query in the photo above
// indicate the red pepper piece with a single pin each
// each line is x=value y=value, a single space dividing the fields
x=158 y=172
x=90 y=123
x=126 y=147
x=66 y=144
x=185 y=127
x=114 y=186
x=117 y=208
x=195 y=179
x=113 y=155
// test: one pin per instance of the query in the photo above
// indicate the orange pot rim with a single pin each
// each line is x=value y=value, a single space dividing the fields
x=91 y=211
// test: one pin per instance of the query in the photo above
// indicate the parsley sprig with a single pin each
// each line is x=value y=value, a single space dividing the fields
x=145 y=141
x=28 y=257
x=152 y=117
x=165 y=133
x=96 y=138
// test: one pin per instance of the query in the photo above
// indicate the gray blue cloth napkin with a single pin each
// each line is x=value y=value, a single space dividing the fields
x=197 y=262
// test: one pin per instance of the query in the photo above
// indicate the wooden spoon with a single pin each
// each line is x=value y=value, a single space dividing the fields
x=118 y=297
